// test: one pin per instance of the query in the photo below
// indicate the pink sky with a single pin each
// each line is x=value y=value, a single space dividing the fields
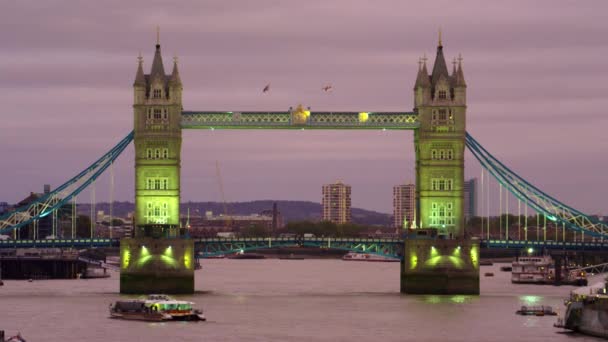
x=536 y=74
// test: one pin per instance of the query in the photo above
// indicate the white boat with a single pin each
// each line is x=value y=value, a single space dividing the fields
x=352 y=256
x=157 y=307
x=541 y=270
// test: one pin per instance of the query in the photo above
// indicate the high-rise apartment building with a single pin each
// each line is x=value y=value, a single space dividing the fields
x=470 y=199
x=404 y=205
x=336 y=203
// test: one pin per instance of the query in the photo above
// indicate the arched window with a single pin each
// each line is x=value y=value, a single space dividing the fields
x=442 y=154
x=157 y=153
x=433 y=154
x=165 y=153
x=156 y=94
x=149 y=153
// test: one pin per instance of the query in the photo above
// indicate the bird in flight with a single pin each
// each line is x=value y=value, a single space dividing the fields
x=327 y=88
x=266 y=88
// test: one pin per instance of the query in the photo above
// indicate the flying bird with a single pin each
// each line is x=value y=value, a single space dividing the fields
x=266 y=88
x=327 y=88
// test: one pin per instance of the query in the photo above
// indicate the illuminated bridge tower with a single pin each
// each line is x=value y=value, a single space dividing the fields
x=156 y=260
x=438 y=258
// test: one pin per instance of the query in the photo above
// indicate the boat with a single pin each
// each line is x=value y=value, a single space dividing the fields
x=586 y=311
x=542 y=270
x=352 y=256
x=242 y=255
x=156 y=307
x=542 y=310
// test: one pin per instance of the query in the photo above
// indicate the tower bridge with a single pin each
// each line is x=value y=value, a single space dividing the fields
x=437 y=255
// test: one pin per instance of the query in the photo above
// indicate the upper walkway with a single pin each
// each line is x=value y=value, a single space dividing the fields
x=299 y=120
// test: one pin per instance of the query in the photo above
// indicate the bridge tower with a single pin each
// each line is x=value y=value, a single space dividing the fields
x=440 y=100
x=157 y=111
x=438 y=258
x=156 y=259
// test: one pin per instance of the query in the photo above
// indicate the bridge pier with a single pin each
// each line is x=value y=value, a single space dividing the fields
x=440 y=266
x=149 y=265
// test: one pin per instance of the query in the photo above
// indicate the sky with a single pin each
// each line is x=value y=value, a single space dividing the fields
x=536 y=73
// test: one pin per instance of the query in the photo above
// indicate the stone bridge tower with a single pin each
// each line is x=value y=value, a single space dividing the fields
x=155 y=260
x=157 y=111
x=440 y=100
x=447 y=262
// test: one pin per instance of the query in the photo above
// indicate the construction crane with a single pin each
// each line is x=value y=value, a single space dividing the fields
x=221 y=185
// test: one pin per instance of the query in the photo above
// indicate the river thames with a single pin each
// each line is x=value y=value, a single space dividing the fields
x=289 y=300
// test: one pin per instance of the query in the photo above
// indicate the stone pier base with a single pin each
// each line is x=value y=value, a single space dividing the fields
x=149 y=265
x=437 y=266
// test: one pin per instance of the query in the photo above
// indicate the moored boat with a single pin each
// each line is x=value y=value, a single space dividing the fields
x=155 y=308
x=542 y=310
x=587 y=311
x=351 y=256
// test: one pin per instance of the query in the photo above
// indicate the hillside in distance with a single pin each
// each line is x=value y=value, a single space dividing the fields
x=291 y=210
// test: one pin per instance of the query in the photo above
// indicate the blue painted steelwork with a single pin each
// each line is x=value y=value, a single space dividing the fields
x=285 y=120
x=204 y=248
x=59 y=243
x=392 y=248
x=54 y=200
x=540 y=245
x=553 y=209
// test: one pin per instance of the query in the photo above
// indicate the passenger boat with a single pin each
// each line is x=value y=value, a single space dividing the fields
x=541 y=270
x=352 y=256
x=536 y=311
x=156 y=307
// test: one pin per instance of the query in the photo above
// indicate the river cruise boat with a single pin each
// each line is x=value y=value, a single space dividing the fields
x=156 y=307
x=352 y=256
x=541 y=270
x=542 y=310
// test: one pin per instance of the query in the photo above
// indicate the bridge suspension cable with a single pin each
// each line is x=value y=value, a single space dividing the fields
x=54 y=200
x=542 y=203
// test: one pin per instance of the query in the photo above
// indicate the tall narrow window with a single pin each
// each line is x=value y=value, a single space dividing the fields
x=433 y=154
x=442 y=94
x=165 y=153
x=156 y=94
x=149 y=153
x=157 y=153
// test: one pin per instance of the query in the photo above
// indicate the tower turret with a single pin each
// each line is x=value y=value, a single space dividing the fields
x=460 y=86
x=422 y=88
x=139 y=85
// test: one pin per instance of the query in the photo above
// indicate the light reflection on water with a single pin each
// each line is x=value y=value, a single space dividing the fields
x=278 y=300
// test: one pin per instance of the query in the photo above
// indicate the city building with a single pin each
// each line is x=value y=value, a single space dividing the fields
x=404 y=206
x=336 y=203
x=38 y=229
x=470 y=199
x=209 y=225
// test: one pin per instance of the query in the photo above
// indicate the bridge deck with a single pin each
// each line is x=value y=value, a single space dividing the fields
x=311 y=120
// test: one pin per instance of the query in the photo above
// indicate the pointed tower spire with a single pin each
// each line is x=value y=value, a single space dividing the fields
x=422 y=80
x=459 y=77
x=140 y=79
x=175 y=79
x=439 y=68
x=157 y=63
